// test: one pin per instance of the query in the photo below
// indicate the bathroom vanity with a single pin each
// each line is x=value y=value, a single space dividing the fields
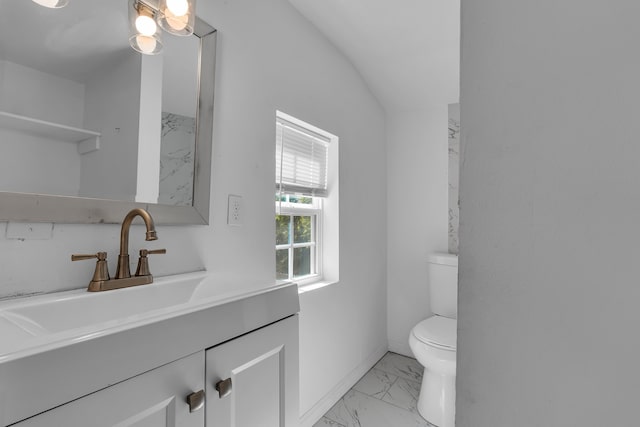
x=188 y=350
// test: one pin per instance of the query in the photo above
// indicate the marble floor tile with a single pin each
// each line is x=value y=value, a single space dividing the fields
x=401 y=366
x=357 y=409
x=386 y=396
x=326 y=422
x=404 y=394
x=375 y=383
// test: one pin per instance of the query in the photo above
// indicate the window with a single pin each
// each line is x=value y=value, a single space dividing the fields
x=298 y=220
x=302 y=186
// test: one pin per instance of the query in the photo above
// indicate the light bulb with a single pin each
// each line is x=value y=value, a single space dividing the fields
x=178 y=7
x=53 y=4
x=177 y=16
x=178 y=23
x=146 y=25
x=146 y=44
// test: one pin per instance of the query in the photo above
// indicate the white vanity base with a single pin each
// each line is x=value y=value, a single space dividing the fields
x=143 y=363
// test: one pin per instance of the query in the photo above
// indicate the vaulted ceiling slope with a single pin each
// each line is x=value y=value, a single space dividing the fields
x=406 y=50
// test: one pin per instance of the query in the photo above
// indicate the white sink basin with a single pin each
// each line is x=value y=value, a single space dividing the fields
x=10 y=331
x=46 y=319
x=78 y=309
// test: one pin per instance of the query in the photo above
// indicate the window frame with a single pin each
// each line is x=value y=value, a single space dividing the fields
x=328 y=220
x=315 y=211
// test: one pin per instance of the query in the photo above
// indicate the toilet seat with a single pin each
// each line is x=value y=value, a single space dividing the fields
x=437 y=331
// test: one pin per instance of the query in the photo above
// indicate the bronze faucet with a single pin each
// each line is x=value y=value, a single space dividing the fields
x=122 y=271
x=101 y=280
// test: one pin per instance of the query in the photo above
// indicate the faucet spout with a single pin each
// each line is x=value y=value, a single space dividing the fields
x=123 y=271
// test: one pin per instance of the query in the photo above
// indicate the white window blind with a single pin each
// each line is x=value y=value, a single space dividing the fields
x=301 y=160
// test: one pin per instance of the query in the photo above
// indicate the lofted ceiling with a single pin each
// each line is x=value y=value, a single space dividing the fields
x=408 y=51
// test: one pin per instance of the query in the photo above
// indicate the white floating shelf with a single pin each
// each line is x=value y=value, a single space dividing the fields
x=87 y=140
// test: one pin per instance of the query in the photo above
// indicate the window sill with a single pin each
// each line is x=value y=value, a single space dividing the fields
x=308 y=287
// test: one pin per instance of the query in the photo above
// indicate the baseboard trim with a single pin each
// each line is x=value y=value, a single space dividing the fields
x=314 y=414
x=400 y=347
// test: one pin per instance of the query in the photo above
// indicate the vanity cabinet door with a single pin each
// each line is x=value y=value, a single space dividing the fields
x=256 y=377
x=157 y=398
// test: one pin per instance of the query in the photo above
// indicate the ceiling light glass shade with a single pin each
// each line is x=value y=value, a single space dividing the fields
x=53 y=4
x=177 y=16
x=144 y=34
x=145 y=25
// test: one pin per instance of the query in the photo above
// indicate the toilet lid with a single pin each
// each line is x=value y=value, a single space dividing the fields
x=437 y=331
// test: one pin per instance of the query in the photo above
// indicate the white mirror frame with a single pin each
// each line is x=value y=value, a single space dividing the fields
x=23 y=207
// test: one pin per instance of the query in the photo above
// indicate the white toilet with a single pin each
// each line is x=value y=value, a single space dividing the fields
x=433 y=342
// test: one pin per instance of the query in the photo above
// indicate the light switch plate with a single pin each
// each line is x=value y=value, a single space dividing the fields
x=235 y=211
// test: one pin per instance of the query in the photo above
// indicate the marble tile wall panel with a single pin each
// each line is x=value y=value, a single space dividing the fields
x=454 y=176
x=177 y=159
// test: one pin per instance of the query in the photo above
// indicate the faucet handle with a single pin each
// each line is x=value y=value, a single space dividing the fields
x=102 y=256
x=101 y=272
x=143 y=261
x=145 y=252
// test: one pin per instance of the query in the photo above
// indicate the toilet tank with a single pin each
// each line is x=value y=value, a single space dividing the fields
x=443 y=279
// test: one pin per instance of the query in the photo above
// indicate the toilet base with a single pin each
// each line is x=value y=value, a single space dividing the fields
x=437 y=399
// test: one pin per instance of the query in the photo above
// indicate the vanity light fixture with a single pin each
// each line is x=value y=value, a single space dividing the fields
x=52 y=4
x=146 y=17
x=144 y=33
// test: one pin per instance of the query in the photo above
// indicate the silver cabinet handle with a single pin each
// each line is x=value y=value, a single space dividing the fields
x=224 y=387
x=195 y=400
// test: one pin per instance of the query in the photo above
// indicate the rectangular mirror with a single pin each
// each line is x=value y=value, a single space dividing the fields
x=90 y=129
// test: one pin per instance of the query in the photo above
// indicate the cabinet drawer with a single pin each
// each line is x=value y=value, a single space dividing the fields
x=155 y=398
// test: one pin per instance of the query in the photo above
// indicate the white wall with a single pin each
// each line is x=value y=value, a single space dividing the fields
x=60 y=100
x=149 y=132
x=112 y=105
x=180 y=75
x=548 y=300
x=57 y=164
x=417 y=158
x=56 y=160
x=269 y=58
